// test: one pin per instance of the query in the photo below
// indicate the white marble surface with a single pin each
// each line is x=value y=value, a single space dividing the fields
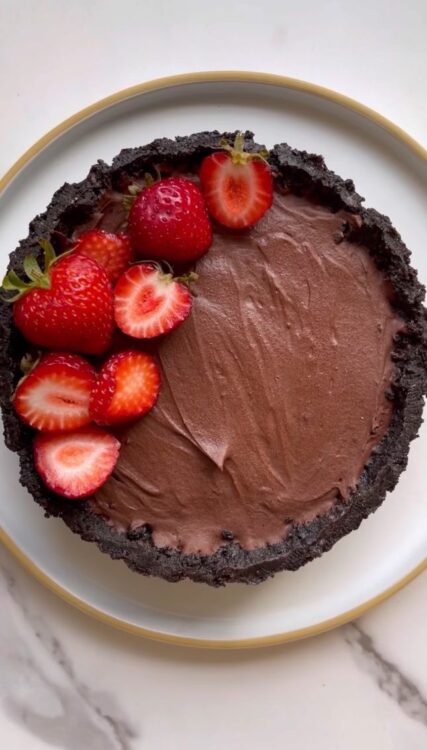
x=69 y=682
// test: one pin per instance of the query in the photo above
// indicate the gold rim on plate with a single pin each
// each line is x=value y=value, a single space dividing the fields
x=31 y=153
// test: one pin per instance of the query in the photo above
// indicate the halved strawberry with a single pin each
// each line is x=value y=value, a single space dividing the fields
x=238 y=186
x=75 y=464
x=149 y=302
x=112 y=251
x=127 y=387
x=55 y=394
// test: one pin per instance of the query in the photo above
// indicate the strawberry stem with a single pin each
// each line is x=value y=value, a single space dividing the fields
x=48 y=252
x=187 y=278
x=32 y=268
x=134 y=188
x=169 y=275
x=28 y=362
x=38 y=278
x=168 y=266
x=237 y=152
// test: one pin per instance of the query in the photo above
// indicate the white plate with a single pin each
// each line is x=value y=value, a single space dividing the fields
x=390 y=171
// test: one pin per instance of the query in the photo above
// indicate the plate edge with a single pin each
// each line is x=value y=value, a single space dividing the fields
x=238 y=76
x=177 y=640
x=26 y=158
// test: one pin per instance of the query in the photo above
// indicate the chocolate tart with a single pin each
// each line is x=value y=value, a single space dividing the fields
x=289 y=397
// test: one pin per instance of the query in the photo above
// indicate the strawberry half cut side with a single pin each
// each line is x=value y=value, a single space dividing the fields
x=237 y=185
x=55 y=395
x=75 y=464
x=149 y=302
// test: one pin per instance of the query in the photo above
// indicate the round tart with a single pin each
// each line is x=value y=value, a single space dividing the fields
x=289 y=396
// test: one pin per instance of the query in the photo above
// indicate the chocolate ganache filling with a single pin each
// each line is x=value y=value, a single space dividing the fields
x=274 y=391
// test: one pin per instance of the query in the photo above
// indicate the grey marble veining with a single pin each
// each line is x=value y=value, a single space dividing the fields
x=40 y=690
x=67 y=682
x=389 y=678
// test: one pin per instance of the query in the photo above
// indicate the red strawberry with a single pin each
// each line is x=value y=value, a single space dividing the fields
x=127 y=387
x=169 y=221
x=112 y=251
x=55 y=394
x=149 y=302
x=75 y=464
x=70 y=304
x=238 y=186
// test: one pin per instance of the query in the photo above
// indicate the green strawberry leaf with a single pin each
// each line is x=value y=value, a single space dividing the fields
x=135 y=189
x=12 y=282
x=32 y=268
x=48 y=252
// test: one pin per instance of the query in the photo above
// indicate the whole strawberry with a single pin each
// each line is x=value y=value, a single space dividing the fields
x=169 y=221
x=70 y=304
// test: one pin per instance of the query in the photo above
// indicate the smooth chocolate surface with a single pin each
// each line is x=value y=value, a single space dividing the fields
x=273 y=391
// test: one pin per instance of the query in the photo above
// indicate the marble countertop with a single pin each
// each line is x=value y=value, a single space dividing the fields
x=69 y=682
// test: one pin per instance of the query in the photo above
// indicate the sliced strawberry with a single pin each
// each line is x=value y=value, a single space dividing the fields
x=238 y=186
x=111 y=251
x=75 y=464
x=127 y=387
x=149 y=302
x=55 y=394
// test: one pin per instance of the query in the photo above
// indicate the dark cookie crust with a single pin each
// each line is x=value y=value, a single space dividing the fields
x=301 y=173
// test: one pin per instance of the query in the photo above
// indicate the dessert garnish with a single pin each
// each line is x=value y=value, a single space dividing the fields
x=237 y=185
x=69 y=303
x=75 y=464
x=149 y=302
x=127 y=387
x=54 y=395
x=168 y=220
